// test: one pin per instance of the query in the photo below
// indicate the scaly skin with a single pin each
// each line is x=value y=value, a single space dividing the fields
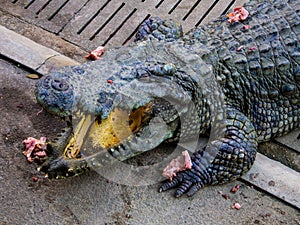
x=198 y=82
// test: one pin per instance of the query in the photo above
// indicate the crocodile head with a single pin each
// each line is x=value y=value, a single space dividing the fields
x=116 y=96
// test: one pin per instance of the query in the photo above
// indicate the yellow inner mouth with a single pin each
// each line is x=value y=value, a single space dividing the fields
x=107 y=133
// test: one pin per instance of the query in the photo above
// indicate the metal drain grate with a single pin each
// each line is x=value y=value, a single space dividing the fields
x=90 y=23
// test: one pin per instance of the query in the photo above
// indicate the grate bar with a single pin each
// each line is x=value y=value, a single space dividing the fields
x=92 y=18
x=107 y=21
x=206 y=13
x=219 y=9
x=59 y=9
x=174 y=7
x=131 y=36
x=43 y=7
x=158 y=4
x=34 y=6
x=195 y=13
x=228 y=7
x=57 y=14
x=130 y=25
x=129 y=29
x=29 y=4
x=191 y=10
x=119 y=27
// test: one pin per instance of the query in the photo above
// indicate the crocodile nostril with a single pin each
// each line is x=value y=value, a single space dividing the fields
x=59 y=85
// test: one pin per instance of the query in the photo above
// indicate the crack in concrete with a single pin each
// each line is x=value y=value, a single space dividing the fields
x=45 y=61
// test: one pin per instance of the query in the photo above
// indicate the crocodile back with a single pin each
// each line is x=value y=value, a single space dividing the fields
x=257 y=63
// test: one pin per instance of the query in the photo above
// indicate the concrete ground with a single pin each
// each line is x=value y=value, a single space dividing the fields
x=29 y=198
x=92 y=199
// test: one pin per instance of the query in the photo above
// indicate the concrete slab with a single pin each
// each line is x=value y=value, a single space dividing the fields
x=24 y=50
x=275 y=178
x=55 y=62
x=29 y=53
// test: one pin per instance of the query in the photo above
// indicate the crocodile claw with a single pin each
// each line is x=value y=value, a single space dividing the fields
x=185 y=181
x=56 y=168
x=61 y=167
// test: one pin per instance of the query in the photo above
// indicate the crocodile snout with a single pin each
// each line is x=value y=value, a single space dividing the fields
x=56 y=95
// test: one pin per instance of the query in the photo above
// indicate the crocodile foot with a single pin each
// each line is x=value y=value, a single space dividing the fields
x=187 y=181
x=159 y=29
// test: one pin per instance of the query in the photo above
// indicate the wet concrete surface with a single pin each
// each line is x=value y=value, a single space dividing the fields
x=93 y=199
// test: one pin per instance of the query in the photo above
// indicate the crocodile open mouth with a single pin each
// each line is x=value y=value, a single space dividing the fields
x=106 y=133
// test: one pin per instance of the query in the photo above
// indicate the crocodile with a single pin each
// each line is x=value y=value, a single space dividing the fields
x=237 y=82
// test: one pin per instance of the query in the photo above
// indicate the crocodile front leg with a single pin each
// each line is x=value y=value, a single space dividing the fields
x=235 y=155
x=159 y=29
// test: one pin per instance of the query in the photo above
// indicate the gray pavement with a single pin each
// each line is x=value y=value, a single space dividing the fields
x=26 y=52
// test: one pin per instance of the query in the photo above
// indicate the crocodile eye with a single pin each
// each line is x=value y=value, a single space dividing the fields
x=59 y=85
